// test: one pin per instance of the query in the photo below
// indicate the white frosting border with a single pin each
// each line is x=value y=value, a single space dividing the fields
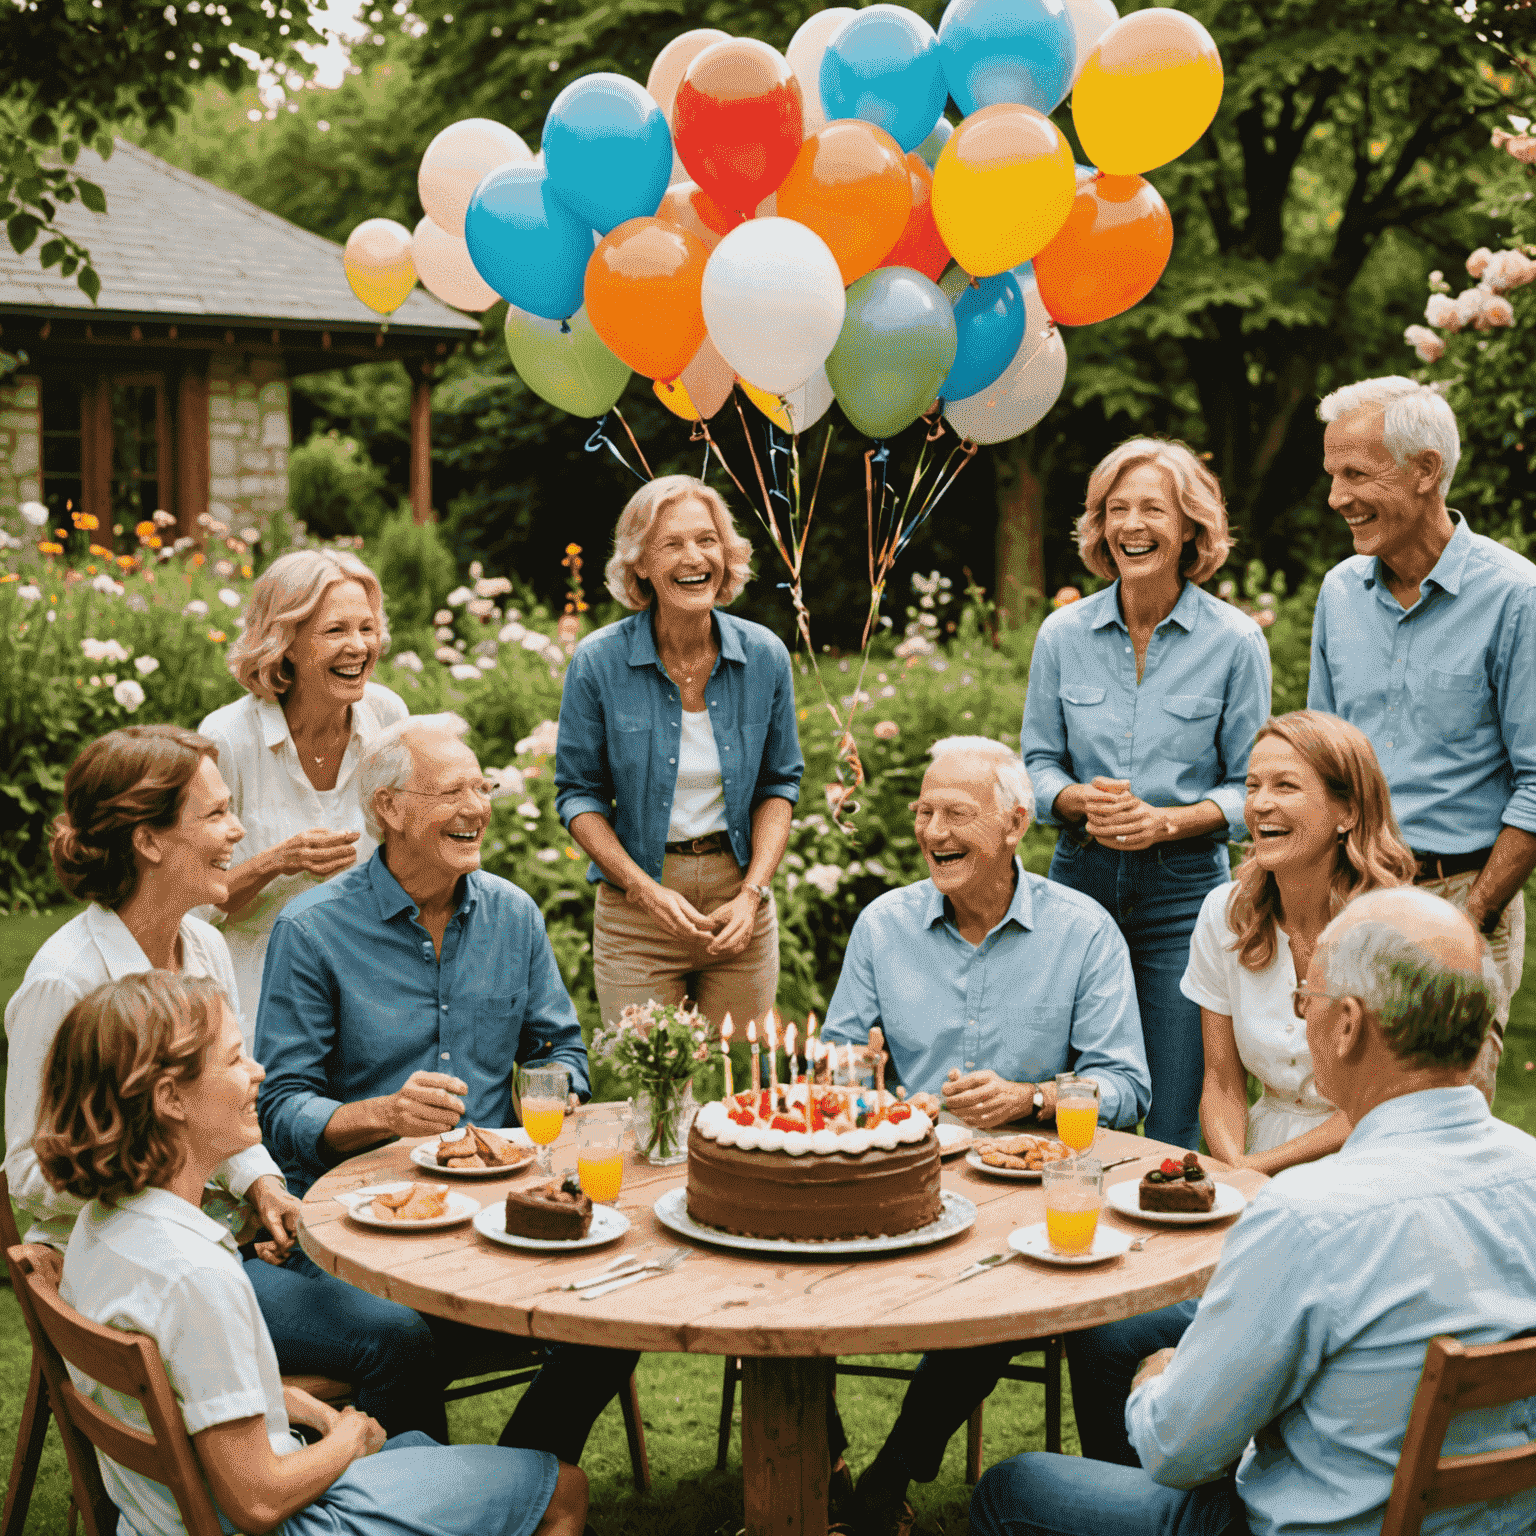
x=715 y=1124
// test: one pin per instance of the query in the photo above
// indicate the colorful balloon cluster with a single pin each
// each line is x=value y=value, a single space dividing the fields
x=784 y=220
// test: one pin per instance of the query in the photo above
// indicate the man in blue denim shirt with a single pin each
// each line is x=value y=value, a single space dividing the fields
x=396 y=1000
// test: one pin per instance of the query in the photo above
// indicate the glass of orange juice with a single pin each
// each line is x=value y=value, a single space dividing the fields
x=600 y=1155
x=1077 y=1111
x=544 y=1092
x=1074 y=1192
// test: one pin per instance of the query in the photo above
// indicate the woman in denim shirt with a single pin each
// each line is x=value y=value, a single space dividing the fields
x=678 y=765
x=1143 y=702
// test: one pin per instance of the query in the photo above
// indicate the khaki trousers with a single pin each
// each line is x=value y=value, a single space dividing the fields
x=634 y=959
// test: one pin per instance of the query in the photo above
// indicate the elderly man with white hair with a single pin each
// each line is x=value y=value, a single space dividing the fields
x=987 y=981
x=396 y=1001
x=1425 y=639
x=1284 y=1405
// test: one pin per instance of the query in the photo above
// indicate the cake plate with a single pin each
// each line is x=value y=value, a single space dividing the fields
x=607 y=1226
x=1124 y=1200
x=957 y=1215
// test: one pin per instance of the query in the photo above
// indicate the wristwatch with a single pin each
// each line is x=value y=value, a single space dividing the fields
x=762 y=892
x=1038 y=1101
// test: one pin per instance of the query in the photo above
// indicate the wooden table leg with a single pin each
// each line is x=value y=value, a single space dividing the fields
x=784 y=1466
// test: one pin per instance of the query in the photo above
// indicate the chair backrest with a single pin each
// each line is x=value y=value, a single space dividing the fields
x=1457 y=1379
x=126 y=1362
x=10 y=1235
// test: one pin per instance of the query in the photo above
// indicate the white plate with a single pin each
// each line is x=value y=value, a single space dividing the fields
x=958 y=1214
x=953 y=1139
x=359 y=1202
x=1023 y=1175
x=425 y=1156
x=1108 y=1243
x=1122 y=1199
x=607 y=1224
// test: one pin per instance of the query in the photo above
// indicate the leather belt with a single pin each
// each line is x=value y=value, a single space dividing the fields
x=1183 y=845
x=716 y=842
x=1441 y=866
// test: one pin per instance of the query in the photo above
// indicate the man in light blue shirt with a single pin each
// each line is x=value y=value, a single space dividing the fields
x=1425 y=639
x=987 y=981
x=1301 y=1364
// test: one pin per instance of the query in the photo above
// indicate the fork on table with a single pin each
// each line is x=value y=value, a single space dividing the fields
x=663 y=1266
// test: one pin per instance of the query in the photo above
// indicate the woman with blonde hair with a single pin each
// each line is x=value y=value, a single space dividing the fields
x=314 y=631
x=1143 y=701
x=678 y=764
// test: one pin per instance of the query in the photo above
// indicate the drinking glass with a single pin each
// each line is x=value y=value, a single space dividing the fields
x=600 y=1155
x=544 y=1093
x=1074 y=1193
x=1077 y=1111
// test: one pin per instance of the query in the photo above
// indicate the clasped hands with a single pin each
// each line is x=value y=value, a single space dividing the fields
x=984 y=1100
x=1120 y=820
x=728 y=928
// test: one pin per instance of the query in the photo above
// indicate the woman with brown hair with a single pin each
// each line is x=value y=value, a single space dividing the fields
x=147 y=1088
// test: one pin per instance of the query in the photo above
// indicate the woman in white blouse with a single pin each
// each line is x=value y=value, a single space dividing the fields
x=1319 y=814
x=314 y=631
x=149 y=1088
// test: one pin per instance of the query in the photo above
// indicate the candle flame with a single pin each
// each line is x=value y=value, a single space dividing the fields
x=810 y=1025
x=727 y=1029
x=771 y=1032
x=789 y=1039
x=752 y=1030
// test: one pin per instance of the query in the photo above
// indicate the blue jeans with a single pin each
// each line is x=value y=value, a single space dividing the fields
x=1154 y=897
x=1043 y=1495
x=1102 y=1361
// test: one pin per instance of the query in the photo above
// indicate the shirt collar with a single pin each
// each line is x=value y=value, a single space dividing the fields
x=1021 y=909
x=1430 y=1109
x=118 y=946
x=1449 y=568
x=1185 y=611
x=162 y=1205
x=274 y=723
x=642 y=640
x=391 y=895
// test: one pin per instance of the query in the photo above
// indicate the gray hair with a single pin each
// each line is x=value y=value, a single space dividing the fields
x=1011 y=783
x=1430 y=1013
x=387 y=763
x=1417 y=417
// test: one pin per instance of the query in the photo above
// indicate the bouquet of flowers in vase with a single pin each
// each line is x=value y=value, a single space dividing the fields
x=657 y=1048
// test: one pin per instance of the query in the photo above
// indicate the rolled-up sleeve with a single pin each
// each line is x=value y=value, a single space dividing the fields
x=1246 y=708
x=855 y=1006
x=1515 y=686
x=1106 y=1030
x=1043 y=739
x=295 y=1033
x=582 y=778
x=779 y=773
x=551 y=1032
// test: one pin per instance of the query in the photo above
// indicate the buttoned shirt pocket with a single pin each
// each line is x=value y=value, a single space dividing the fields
x=1034 y=1046
x=1457 y=699
x=1199 y=717
x=498 y=1029
x=1081 y=695
x=631 y=734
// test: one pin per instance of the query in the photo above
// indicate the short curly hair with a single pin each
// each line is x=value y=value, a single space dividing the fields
x=98 y=1135
x=288 y=592
x=1196 y=493
x=634 y=528
x=134 y=777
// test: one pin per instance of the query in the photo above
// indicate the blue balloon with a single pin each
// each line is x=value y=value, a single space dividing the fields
x=526 y=243
x=883 y=66
x=1020 y=51
x=989 y=325
x=608 y=150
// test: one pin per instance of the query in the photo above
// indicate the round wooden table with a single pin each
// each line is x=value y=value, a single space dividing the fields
x=788 y=1318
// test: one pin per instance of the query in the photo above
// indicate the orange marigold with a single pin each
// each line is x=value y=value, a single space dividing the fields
x=101 y=552
x=217 y=636
x=127 y=562
x=199 y=558
x=145 y=529
x=9 y=576
x=88 y=522
x=47 y=547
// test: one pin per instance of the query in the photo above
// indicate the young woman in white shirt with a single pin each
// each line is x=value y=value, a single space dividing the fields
x=148 y=1088
x=314 y=632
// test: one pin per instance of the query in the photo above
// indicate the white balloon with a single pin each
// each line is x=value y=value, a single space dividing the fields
x=773 y=302
x=1090 y=20
x=1029 y=386
x=808 y=404
x=671 y=64
x=443 y=265
x=804 y=54
x=455 y=164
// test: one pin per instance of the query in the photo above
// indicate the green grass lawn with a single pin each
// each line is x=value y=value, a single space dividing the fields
x=680 y=1394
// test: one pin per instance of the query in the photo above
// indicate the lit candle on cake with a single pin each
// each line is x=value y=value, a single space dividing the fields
x=757 y=1065
x=771 y=1035
x=789 y=1060
x=848 y=1063
x=727 y=1029
x=877 y=1051
x=810 y=1044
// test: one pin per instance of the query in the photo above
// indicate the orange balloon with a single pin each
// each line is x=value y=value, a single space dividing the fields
x=687 y=206
x=921 y=246
x=642 y=295
x=1110 y=252
x=849 y=184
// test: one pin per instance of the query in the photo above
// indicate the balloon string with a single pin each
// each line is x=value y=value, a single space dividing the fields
x=967 y=451
x=774 y=450
x=600 y=440
x=632 y=443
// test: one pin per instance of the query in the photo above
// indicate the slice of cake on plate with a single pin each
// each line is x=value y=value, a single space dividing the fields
x=553 y=1212
x=1178 y=1187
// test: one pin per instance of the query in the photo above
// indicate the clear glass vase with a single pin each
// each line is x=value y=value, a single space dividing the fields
x=664 y=1115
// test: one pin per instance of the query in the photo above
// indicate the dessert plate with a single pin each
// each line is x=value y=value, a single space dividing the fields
x=607 y=1225
x=1108 y=1243
x=958 y=1214
x=359 y=1203
x=953 y=1139
x=1122 y=1200
x=1024 y=1175
x=425 y=1156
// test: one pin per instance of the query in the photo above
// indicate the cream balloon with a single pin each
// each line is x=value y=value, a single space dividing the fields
x=773 y=302
x=672 y=64
x=456 y=163
x=1090 y=20
x=808 y=404
x=1029 y=387
x=804 y=54
x=443 y=265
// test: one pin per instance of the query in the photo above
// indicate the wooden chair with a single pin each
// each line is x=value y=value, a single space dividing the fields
x=1048 y=1374
x=1458 y=1378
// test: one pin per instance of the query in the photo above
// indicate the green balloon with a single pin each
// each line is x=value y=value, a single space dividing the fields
x=896 y=348
x=565 y=362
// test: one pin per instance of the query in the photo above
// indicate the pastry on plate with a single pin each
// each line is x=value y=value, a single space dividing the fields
x=1021 y=1154
x=421 y=1202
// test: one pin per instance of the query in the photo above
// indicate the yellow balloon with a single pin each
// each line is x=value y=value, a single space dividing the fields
x=377 y=261
x=676 y=399
x=772 y=406
x=1148 y=91
x=1002 y=188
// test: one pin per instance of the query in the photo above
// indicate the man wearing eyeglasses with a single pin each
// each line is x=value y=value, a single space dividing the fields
x=396 y=1000
x=987 y=981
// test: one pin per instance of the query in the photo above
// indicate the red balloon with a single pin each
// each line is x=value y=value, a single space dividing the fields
x=738 y=121
x=921 y=245
x=642 y=291
x=1110 y=252
x=690 y=208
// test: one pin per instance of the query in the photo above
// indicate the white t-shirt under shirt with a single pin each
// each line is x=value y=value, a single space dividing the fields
x=1271 y=1040
x=698 y=803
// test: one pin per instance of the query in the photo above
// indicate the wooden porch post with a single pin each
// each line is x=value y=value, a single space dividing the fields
x=421 y=444
x=96 y=451
x=191 y=436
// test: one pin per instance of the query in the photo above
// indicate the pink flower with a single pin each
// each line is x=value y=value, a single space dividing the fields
x=1508 y=269
x=1442 y=313
x=886 y=730
x=1477 y=262
x=1064 y=596
x=1424 y=341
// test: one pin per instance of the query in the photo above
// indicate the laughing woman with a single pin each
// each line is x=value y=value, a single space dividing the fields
x=1143 y=702
x=678 y=765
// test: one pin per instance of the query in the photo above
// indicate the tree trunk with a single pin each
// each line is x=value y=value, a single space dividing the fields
x=1020 y=531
